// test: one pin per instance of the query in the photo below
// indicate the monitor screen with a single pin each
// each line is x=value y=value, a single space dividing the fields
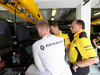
x=28 y=49
x=34 y=34
x=23 y=33
x=5 y=36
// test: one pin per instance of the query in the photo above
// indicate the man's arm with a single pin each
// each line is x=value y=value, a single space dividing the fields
x=94 y=42
x=37 y=59
x=88 y=53
x=86 y=62
x=67 y=46
x=38 y=63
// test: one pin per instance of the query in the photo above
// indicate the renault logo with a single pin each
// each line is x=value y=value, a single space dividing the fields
x=42 y=47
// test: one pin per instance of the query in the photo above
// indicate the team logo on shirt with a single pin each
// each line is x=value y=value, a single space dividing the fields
x=51 y=44
x=54 y=43
x=42 y=47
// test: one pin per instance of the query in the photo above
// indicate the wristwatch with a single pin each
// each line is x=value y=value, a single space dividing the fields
x=76 y=64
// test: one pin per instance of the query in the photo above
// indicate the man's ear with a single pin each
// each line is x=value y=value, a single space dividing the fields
x=38 y=30
x=80 y=27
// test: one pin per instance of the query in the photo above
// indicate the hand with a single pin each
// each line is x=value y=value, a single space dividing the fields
x=97 y=46
x=74 y=68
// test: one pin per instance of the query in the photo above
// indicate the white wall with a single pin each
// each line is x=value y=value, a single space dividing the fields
x=84 y=13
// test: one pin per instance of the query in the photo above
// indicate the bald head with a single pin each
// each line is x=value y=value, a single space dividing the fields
x=77 y=25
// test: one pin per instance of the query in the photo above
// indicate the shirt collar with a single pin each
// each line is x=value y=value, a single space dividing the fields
x=59 y=33
x=78 y=33
x=47 y=36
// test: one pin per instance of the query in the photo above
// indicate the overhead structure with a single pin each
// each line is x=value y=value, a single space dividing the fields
x=26 y=9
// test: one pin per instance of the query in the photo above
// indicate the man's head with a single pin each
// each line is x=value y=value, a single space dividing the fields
x=77 y=25
x=43 y=27
x=54 y=28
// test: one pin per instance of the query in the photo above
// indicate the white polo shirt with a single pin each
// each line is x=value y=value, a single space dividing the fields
x=49 y=53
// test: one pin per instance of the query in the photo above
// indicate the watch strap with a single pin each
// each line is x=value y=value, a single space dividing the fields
x=76 y=64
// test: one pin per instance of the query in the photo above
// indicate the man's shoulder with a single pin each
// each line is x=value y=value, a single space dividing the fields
x=56 y=37
x=62 y=34
x=83 y=34
x=36 y=43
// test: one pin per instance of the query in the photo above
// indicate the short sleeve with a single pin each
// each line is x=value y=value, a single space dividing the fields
x=67 y=40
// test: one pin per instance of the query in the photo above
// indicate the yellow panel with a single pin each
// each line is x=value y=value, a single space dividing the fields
x=96 y=22
x=29 y=5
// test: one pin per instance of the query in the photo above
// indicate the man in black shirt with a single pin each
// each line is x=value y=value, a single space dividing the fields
x=95 y=39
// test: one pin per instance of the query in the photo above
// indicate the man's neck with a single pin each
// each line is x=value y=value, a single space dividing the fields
x=58 y=31
x=45 y=34
x=78 y=31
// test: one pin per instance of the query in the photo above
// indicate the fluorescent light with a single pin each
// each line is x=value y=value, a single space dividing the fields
x=97 y=14
x=54 y=8
x=52 y=18
x=53 y=12
x=9 y=20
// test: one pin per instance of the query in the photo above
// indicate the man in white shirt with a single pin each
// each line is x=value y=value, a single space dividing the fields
x=49 y=51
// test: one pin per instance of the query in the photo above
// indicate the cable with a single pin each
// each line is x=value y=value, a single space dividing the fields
x=15 y=26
